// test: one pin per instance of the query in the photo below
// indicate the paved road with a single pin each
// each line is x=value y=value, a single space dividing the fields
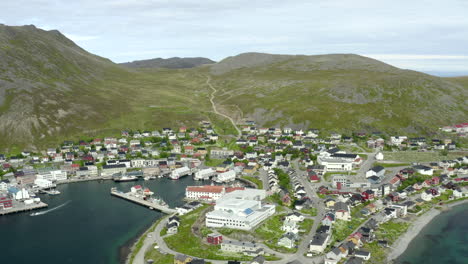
x=212 y=96
x=303 y=247
x=311 y=190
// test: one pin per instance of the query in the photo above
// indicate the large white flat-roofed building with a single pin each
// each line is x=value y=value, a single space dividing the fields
x=241 y=209
x=336 y=164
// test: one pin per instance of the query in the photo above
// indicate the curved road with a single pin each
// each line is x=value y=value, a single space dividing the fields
x=215 y=110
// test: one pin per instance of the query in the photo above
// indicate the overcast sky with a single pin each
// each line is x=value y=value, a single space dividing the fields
x=426 y=35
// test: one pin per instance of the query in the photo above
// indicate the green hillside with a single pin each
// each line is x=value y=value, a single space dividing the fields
x=340 y=92
x=52 y=90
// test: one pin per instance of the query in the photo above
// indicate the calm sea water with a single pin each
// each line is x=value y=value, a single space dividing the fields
x=443 y=240
x=94 y=227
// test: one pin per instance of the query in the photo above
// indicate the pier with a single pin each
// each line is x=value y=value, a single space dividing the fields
x=23 y=208
x=131 y=198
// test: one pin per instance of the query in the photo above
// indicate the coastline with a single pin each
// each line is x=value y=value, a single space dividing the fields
x=401 y=244
x=131 y=245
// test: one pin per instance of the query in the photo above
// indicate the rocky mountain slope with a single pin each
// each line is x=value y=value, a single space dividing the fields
x=170 y=63
x=339 y=92
x=52 y=90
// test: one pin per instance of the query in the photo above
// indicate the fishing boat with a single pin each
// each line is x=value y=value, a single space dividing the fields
x=54 y=192
x=125 y=178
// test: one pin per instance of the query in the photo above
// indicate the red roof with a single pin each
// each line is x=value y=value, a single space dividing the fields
x=137 y=186
x=205 y=188
x=314 y=177
x=394 y=180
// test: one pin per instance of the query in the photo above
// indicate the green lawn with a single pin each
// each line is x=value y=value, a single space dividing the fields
x=187 y=243
x=342 y=229
x=415 y=156
x=389 y=231
x=391 y=165
x=311 y=211
x=270 y=230
x=213 y=162
x=158 y=257
x=257 y=181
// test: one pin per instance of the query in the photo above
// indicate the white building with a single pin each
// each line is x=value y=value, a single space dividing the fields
x=338 y=161
x=336 y=165
x=43 y=183
x=424 y=170
x=22 y=194
x=247 y=248
x=204 y=174
x=379 y=156
x=51 y=174
x=397 y=140
x=378 y=171
x=319 y=242
x=241 y=209
x=179 y=172
x=227 y=176
x=339 y=180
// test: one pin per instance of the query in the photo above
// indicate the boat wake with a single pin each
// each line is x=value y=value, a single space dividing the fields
x=50 y=210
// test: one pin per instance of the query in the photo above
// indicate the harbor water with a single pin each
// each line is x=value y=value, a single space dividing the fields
x=91 y=227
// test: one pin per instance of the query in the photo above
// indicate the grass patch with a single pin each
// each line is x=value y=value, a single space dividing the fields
x=187 y=243
x=213 y=162
x=416 y=156
x=158 y=257
x=391 y=165
x=257 y=181
x=311 y=211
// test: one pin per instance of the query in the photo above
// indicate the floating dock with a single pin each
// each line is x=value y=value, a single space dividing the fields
x=23 y=208
x=131 y=198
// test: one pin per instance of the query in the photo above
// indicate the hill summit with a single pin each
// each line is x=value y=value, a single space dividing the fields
x=52 y=90
x=170 y=63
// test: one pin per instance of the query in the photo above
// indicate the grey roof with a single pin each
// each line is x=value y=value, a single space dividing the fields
x=319 y=239
x=378 y=168
x=361 y=253
x=340 y=206
x=240 y=243
x=354 y=260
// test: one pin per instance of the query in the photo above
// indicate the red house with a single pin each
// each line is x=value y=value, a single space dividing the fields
x=314 y=178
x=88 y=158
x=214 y=239
x=5 y=203
x=368 y=195
x=435 y=180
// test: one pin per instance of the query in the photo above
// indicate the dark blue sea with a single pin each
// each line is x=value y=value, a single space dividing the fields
x=443 y=240
x=93 y=227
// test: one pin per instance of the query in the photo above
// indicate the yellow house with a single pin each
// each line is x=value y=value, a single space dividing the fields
x=182 y=259
x=330 y=203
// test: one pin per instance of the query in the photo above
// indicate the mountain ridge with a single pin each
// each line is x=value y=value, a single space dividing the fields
x=169 y=63
x=51 y=90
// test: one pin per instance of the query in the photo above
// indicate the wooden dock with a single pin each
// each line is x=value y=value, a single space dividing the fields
x=164 y=209
x=23 y=208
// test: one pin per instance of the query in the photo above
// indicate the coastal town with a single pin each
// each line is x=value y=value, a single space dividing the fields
x=270 y=195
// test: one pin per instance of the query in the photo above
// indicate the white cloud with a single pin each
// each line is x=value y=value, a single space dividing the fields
x=416 y=57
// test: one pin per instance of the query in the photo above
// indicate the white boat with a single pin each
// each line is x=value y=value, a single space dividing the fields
x=54 y=192
x=125 y=178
